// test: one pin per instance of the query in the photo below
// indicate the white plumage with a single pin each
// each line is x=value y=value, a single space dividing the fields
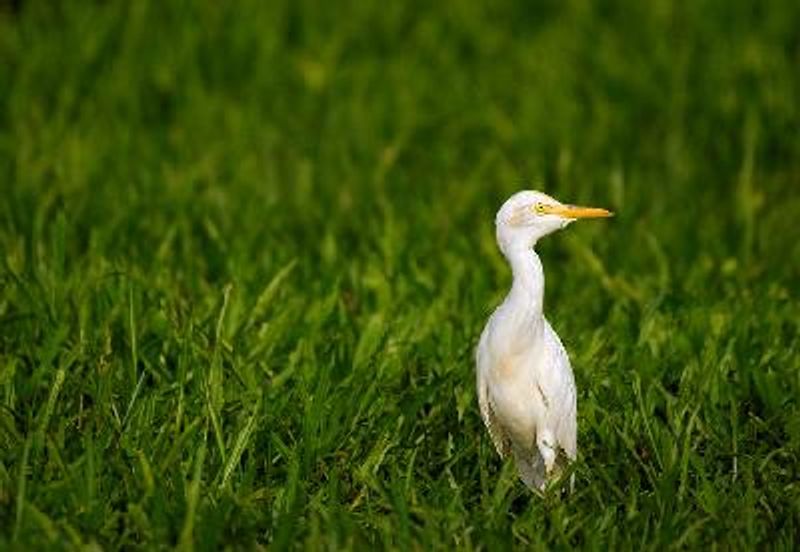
x=526 y=389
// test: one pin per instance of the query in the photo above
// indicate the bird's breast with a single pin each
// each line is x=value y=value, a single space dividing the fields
x=512 y=385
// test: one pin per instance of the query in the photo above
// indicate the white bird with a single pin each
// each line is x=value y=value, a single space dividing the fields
x=526 y=389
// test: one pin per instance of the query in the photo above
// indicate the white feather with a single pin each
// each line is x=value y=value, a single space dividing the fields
x=526 y=389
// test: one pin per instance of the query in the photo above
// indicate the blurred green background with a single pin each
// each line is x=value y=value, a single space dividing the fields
x=247 y=248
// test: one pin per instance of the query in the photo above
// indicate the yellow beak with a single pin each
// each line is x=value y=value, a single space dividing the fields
x=576 y=211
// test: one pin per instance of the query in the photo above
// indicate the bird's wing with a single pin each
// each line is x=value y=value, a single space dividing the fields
x=561 y=387
x=499 y=437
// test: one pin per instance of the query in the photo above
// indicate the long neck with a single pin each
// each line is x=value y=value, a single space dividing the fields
x=527 y=291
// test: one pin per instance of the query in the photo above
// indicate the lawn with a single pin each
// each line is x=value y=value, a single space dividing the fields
x=247 y=249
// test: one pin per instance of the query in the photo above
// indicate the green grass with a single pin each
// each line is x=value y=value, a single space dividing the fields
x=246 y=252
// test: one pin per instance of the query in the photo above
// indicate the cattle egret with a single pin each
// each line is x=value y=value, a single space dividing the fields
x=526 y=389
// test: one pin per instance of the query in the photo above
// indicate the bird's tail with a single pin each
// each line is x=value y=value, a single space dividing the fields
x=531 y=469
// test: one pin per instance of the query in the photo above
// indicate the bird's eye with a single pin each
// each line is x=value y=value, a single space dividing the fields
x=540 y=208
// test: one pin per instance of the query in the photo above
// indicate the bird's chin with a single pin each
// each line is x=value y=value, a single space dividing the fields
x=566 y=222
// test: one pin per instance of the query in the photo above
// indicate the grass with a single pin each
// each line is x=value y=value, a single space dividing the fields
x=246 y=251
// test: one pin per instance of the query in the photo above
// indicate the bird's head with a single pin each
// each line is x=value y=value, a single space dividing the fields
x=528 y=215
